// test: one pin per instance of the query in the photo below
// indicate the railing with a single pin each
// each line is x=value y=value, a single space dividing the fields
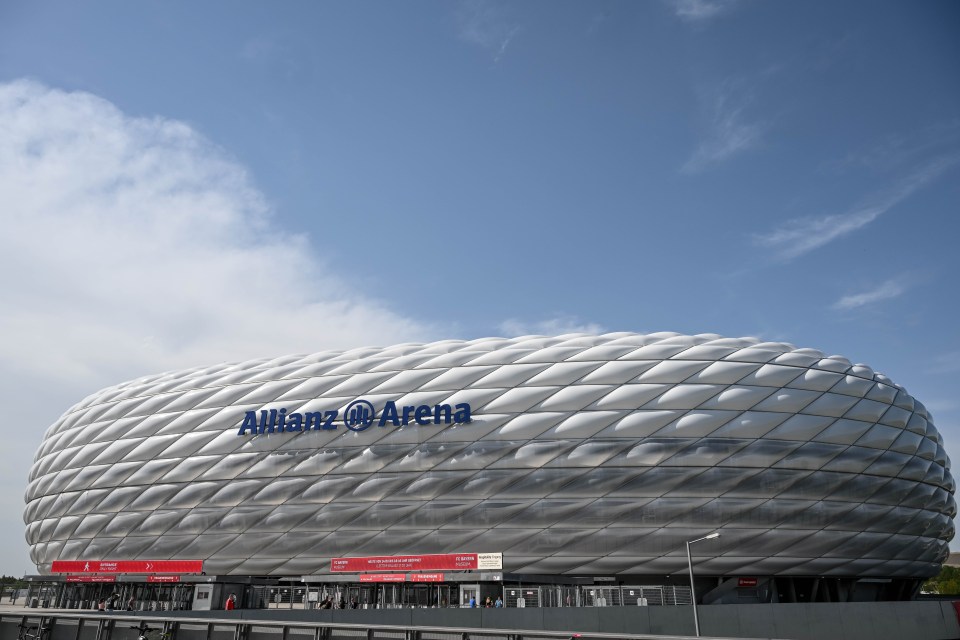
x=72 y=626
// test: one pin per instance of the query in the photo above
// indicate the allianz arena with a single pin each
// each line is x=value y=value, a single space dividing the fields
x=572 y=456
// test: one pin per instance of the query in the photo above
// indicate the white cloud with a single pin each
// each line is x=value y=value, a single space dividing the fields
x=551 y=326
x=886 y=291
x=486 y=25
x=133 y=246
x=728 y=133
x=699 y=11
x=802 y=235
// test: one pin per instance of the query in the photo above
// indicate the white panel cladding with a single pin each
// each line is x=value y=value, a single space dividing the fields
x=640 y=424
x=738 y=398
x=585 y=453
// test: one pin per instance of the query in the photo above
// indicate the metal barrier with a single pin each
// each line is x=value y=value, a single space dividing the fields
x=72 y=626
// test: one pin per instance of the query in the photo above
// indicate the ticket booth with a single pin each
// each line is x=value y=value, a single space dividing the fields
x=203 y=597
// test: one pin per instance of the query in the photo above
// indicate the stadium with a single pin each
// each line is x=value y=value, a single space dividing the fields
x=547 y=471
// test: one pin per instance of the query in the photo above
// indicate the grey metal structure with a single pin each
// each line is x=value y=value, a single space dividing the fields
x=585 y=454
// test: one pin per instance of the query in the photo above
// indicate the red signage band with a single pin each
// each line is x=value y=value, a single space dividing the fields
x=426 y=577
x=163 y=578
x=382 y=577
x=91 y=578
x=127 y=566
x=444 y=561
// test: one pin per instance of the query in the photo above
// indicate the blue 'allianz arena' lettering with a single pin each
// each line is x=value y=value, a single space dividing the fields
x=359 y=416
x=424 y=414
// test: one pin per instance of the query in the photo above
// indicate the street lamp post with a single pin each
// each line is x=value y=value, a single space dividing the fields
x=693 y=590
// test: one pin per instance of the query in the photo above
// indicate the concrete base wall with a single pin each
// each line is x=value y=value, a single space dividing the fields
x=816 y=621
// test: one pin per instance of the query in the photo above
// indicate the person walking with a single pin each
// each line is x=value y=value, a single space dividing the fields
x=231 y=603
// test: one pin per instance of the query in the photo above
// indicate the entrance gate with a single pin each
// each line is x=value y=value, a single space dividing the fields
x=561 y=596
x=522 y=597
x=146 y=597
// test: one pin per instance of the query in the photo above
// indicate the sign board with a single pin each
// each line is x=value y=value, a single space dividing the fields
x=163 y=578
x=426 y=577
x=435 y=562
x=91 y=578
x=401 y=577
x=490 y=561
x=203 y=597
x=359 y=415
x=382 y=577
x=127 y=566
x=747 y=582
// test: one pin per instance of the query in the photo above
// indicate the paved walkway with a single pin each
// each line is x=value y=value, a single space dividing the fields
x=21 y=607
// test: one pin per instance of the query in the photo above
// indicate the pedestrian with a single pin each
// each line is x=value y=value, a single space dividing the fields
x=102 y=605
x=488 y=603
x=499 y=603
x=130 y=603
x=473 y=602
x=231 y=603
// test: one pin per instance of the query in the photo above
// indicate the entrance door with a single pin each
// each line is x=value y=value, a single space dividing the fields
x=468 y=592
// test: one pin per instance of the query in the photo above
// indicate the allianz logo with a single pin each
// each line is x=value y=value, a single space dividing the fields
x=359 y=415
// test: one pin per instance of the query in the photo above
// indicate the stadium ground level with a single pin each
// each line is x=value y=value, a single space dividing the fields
x=456 y=590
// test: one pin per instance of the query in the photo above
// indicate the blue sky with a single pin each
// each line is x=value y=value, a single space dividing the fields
x=187 y=183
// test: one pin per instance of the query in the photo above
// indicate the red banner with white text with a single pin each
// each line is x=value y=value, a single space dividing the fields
x=91 y=578
x=435 y=562
x=127 y=566
x=426 y=577
x=382 y=577
x=401 y=577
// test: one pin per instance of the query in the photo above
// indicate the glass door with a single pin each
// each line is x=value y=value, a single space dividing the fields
x=469 y=595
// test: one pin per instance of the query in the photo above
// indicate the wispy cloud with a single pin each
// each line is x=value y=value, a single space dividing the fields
x=259 y=48
x=886 y=291
x=948 y=362
x=898 y=149
x=938 y=406
x=558 y=325
x=487 y=26
x=699 y=11
x=729 y=131
x=799 y=236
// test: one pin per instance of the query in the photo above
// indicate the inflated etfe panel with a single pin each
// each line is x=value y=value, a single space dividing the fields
x=571 y=454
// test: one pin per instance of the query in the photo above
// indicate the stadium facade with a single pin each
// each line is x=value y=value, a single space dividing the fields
x=569 y=460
